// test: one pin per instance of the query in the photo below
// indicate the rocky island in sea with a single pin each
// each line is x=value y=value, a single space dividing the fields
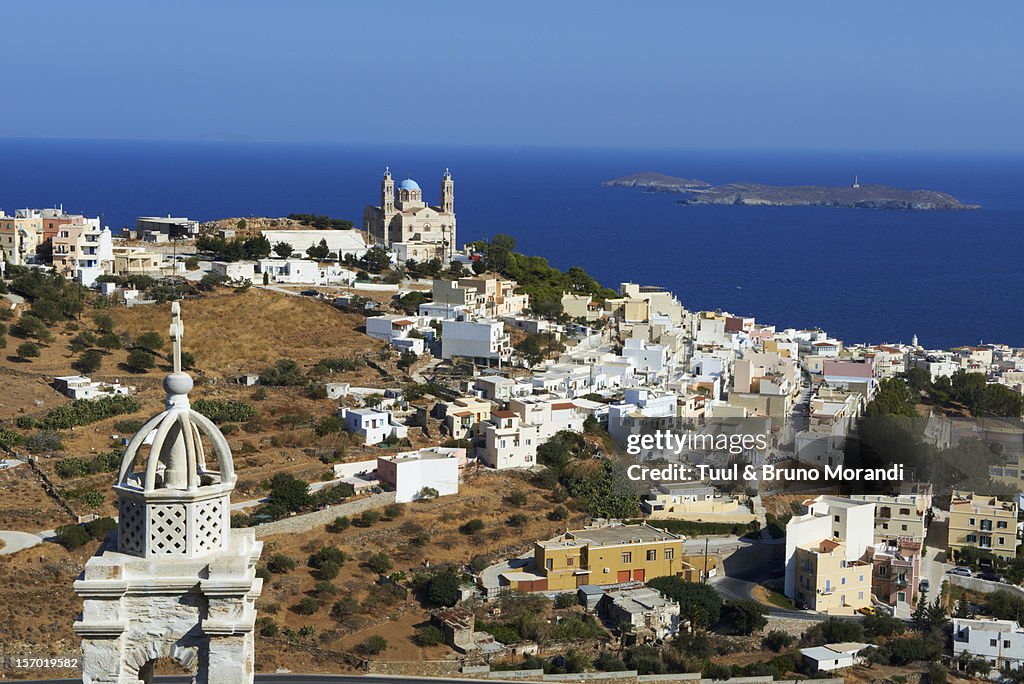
x=855 y=196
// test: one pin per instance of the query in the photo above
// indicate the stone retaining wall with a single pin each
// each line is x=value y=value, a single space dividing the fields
x=307 y=521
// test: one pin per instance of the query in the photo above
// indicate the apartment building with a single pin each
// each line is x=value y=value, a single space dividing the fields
x=482 y=341
x=509 y=443
x=20 y=236
x=899 y=516
x=82 y=250
x=896 y=571
x=550 y=414
x=984 y=522
x=613 y=554
x=829 y=518
x=827 y=582
x=465 y=416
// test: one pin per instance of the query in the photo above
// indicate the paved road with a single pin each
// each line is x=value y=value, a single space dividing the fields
x=18 y=541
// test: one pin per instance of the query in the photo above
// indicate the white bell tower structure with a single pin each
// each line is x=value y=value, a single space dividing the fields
x=177 y=582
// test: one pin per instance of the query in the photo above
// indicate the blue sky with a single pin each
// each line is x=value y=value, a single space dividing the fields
x=926 y=74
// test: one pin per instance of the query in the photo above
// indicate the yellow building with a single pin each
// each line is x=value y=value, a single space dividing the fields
x=984 y=522
x=465 y=415
x=828 y=583
x=613 y=554
x=20 y=236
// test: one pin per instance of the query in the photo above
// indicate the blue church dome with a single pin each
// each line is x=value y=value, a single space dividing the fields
x=408 y=184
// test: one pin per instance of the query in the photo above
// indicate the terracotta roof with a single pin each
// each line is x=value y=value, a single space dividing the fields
x=563 y=406
x=505 y=414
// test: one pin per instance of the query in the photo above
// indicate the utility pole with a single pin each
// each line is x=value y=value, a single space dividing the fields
x=704 y=572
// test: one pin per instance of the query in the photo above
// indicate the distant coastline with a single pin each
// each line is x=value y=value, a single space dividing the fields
x=855 y=196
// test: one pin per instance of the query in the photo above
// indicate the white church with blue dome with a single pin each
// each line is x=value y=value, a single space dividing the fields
x=410 y=227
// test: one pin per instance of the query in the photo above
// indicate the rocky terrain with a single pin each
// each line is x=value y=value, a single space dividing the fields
x=754 y=194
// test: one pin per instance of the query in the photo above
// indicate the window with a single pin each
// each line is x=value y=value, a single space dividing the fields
x=904 y=527
x=627 y=557
x=860 y=594
x=549 y=564
x=836 y=517
x=993 y=642
x=1001 y=524
x=670 y=554
x=972 y=522
x=1002 y=540
x=904 y=511
x=972 y=538
x=1006 y=643
x=842 y=581
x=861 y=579
x=570 y=561
x=652 y=555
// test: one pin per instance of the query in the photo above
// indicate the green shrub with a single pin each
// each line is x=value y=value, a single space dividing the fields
x=340 y=524
x=428 y=635
x=267 y=627
x=367 y=519
x=776 y=640
x=224 y=410
x=472 y=527
x=86 y=411
x=151 y=341
x=567 y=600
x=307 y=606
x=372 y=646
x=392 y=511
x=518 y=520
x=344 y=607
x=26 y=422
x=329 y=425
x=72 y=536
x=379 y=563
x=98 y=528
x=44 y=441
x=9 y=438
x=140 y=361
x=28 y=350
x=281 y=564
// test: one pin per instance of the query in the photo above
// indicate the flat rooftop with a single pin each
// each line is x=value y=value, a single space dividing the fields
x=622 y=534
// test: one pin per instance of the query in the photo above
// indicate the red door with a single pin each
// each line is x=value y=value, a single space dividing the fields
x=638 y=575
x=623 y=576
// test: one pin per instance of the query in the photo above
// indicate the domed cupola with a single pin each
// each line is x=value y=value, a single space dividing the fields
x=410 y=195
x=174 y=504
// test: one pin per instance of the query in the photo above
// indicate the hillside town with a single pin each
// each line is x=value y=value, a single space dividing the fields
x=487 y=415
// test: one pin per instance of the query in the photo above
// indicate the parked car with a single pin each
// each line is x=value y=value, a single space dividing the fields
x=959 y=570
x=923 y=586
x=310 y=293
x=867 y=610
x=990 y=576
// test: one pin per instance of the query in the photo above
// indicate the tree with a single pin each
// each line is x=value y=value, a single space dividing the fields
x=104 y=323
x=443 y=589
x=745 y=617
x=150 y=341
x=372 y=646
x=257 y=247
x=28 y=350
x=472 y=526
x=289 y=492
x=140 y=361
x=428 y=493
x=700 y=604
x=109 y=341
x=376 y=259
x=283 y=250
x=281 y=564
x=319 y=251
x=89 y=362
x=379 y=563
x=429 y=635
x=776 y=640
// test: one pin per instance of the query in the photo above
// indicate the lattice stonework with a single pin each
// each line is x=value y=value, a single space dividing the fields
x=131 y=526
x=167 y=530
x=208 y=525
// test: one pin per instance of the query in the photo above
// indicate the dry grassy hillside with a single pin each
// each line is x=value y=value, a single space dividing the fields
x=241 y=332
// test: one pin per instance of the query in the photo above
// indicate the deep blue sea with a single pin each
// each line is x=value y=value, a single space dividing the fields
x=950 y=277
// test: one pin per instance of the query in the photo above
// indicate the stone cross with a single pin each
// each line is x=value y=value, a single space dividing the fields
x=177 y=331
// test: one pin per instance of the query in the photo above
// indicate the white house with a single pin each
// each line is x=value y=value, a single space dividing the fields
x=1000 y=642
x=549 y=414
x=833 y=656
x=484 y=340
x=235 y=270
x=341 y=242
x=411 y=471
x=641 y=410
x=305 y=272
x=401 y=332
x=372 y=425
x=508 y=442
x=81 y=387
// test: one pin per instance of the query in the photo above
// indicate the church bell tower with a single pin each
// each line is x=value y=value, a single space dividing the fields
x=177 y=582
x=447 y=193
